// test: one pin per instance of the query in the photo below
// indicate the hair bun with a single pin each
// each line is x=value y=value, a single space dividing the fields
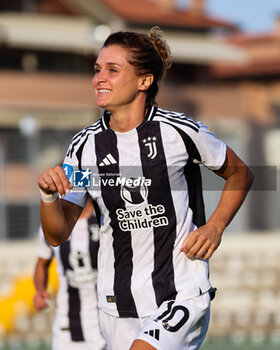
x=156 y=37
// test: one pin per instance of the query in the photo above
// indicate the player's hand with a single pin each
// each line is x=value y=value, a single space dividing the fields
x=41 y=300
x=54 y=180
x=202 y=242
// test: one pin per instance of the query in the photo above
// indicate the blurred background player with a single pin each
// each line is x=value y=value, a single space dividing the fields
x=76 y=322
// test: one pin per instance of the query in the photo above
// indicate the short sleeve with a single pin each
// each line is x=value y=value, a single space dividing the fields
x=77 y=197
x=212 y=151
x=44 y=250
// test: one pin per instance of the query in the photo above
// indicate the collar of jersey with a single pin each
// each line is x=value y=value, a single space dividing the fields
x=149 y=116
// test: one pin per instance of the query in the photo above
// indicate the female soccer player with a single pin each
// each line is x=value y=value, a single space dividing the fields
x=141 y=166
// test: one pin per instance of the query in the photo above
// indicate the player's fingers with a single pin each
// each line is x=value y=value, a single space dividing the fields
x=203 y=250
x=55 y=176
x=42 y=305
x=39 y=302
x=209 y=253
x=189 y=242
x=64 y=179
x=194 y=243
x=46 y=183
x=192 y=252
x=42 y=183
x=54 y=180
x=45 y=295
x=60 y=179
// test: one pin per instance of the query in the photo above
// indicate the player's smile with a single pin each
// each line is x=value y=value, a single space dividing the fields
x=103 y=91
x=115 y=82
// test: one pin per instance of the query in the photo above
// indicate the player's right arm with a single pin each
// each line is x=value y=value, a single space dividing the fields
x=58 y=217
x=41 y=297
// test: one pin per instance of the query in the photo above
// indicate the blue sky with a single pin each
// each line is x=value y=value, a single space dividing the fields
x=251 y=15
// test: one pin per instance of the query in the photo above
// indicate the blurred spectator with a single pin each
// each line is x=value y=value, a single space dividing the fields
x=76 y=323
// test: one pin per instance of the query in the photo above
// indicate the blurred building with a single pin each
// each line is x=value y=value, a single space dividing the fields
x=47 y=52
x=219 y=75
x=254 y=86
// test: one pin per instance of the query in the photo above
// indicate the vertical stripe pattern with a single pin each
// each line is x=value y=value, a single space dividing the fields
x=74 y=298
x=193 y=177
x=160 y=194
x=106 y=143
x=143 y=226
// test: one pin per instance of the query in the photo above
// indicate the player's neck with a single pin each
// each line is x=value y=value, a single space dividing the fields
x=126 y=119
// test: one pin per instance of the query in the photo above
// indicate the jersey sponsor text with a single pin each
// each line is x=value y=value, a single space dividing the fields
x=141 y=219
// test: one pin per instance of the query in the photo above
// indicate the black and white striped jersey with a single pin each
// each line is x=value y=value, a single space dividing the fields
x=76 y=313
x=148 y=188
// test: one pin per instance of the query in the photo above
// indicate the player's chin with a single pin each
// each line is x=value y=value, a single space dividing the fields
x=102 y=102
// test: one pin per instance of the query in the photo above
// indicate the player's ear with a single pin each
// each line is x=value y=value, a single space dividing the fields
x=145 y=82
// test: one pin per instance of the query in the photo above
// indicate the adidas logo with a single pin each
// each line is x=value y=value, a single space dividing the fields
x=153 y=333
x=109 y=159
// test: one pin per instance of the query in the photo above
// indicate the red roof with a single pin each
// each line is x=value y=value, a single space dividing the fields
x=150 y=12
x=263 y=50
x=243 y=39
x=268 y=68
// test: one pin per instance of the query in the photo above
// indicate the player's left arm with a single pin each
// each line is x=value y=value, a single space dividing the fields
x=202 y=242
x=40 y=278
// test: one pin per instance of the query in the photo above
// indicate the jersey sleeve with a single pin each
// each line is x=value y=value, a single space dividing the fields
x=70 y=164
x=211 y=150
x=44 y=250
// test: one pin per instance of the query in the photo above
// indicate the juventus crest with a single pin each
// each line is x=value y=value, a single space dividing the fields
x=150 y=142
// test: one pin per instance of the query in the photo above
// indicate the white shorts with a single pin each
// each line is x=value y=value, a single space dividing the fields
x=176 y=325
x=62 y=339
